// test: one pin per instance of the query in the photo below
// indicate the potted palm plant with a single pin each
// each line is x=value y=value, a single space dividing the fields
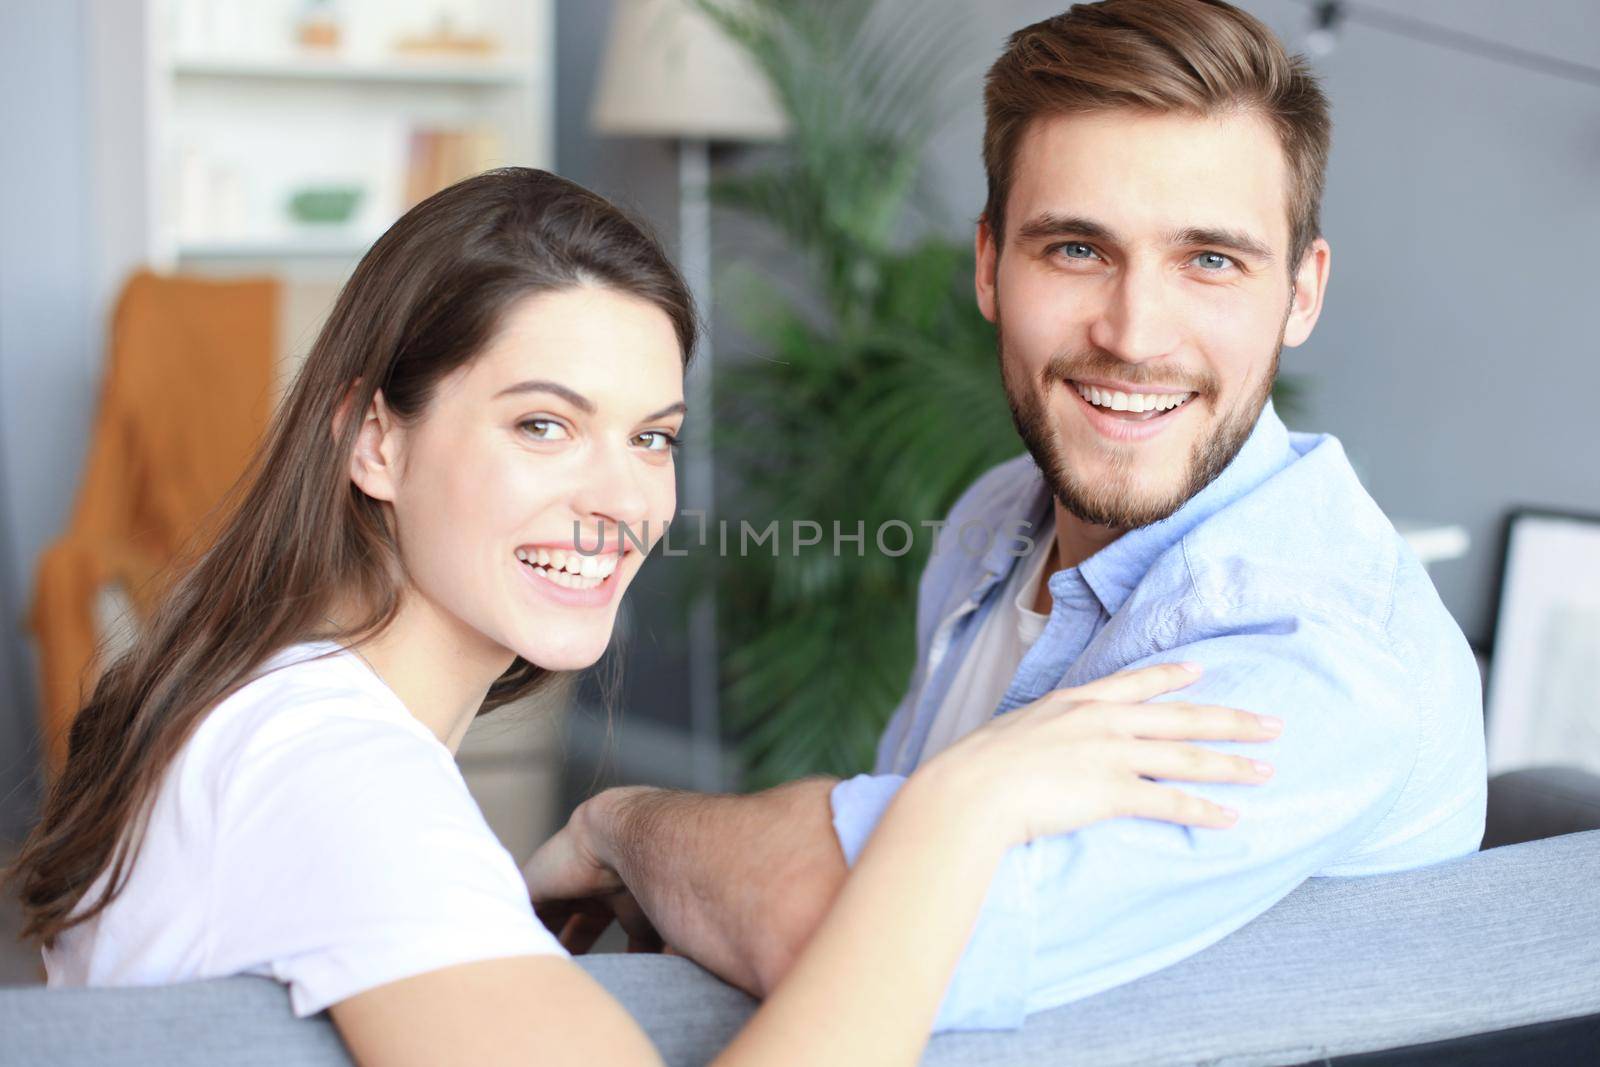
x=874 y=398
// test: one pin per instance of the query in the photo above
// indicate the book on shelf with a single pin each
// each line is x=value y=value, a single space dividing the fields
x=441 y=156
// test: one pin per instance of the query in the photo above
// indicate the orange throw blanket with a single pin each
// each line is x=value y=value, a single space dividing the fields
x=187 y=396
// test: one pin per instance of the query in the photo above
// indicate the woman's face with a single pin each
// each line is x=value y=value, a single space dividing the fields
x=558 y=436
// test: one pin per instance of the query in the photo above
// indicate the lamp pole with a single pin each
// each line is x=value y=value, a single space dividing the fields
x=699 y=474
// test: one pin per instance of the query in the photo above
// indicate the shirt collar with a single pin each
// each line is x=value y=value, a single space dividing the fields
x=1031 y=513
x=1117 y=569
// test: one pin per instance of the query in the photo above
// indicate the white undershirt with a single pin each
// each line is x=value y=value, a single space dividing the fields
x=1010 y=629
x=314 y=831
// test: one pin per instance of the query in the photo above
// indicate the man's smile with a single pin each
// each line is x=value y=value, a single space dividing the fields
x=1125 y=415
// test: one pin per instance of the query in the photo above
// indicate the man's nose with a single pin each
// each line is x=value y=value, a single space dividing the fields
x=1136 y=323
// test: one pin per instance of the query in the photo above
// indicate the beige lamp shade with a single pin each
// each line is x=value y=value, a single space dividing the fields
x=670 y=71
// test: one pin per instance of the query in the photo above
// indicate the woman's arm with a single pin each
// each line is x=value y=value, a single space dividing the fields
x=864 y=991
x=867 y=986
x=509 y=1012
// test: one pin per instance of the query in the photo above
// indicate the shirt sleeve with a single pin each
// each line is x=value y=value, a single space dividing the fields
x=1070 y=916
x=350 y=854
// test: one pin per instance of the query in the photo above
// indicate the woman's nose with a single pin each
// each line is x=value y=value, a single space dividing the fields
x=614 y=489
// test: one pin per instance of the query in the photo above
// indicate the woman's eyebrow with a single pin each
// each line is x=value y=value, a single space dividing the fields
x=671 y=409
x=577 y=400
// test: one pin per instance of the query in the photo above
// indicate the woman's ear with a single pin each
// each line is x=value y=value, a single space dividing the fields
x=374 y=460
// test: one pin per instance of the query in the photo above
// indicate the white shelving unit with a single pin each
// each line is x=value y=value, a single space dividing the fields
x=399 y=71
x=210 y=117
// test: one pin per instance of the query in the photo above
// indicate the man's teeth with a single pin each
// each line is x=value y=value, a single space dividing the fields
x=571 y=569
x=1136 y=402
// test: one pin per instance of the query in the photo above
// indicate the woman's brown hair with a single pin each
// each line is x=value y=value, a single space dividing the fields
x=297 y=535
x=1195 y=57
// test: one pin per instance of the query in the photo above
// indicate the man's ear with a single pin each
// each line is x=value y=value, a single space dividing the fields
x=987 y=255
x=375 y=457
x=1310 y=286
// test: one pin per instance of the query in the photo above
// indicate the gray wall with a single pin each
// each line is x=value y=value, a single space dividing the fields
x=1457 y=359
x=48 y=338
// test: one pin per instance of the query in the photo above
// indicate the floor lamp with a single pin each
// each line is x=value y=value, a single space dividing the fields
x=670 y=72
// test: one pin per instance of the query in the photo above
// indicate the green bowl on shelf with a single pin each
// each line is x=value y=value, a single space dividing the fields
x=324 y=204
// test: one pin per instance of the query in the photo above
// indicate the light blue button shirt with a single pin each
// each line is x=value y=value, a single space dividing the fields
x=1289 y=585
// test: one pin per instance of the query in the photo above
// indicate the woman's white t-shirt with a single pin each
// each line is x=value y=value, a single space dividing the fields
x=314 y=831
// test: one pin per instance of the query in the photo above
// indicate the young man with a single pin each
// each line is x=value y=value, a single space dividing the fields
x=1150 y=242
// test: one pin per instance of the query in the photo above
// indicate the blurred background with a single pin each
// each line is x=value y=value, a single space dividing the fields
x=206 y=173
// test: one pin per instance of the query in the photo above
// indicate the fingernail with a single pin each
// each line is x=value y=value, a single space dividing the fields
x=1263 y=769
x=1190 y=665
x=1270 y=723
x=1230 y=814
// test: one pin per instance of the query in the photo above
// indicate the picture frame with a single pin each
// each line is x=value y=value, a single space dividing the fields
x=1543 y=701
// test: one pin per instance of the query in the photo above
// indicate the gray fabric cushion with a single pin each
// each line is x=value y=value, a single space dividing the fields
x=1535 y=802
x=1498 y=939
x=1489 y=941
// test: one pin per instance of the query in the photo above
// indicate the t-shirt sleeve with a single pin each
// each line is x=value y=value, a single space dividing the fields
x=350 y=854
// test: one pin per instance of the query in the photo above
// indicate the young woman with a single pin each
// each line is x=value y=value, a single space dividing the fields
x=265 y=784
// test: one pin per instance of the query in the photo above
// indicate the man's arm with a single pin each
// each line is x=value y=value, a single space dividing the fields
x=737 y=883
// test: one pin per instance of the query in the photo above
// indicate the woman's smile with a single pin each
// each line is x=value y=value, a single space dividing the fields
x=572 y=578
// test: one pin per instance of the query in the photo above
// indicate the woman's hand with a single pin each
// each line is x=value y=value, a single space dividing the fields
x=1081 y=755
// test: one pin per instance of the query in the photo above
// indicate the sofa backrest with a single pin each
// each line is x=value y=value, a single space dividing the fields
x=1499 y=939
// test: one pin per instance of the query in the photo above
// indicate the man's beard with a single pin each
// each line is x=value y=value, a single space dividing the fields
x=1113 y=500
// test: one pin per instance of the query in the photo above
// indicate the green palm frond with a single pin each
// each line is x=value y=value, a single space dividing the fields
x=882 y=406
x=863 y=92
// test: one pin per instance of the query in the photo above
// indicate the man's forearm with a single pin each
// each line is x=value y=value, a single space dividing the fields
x=737 y=883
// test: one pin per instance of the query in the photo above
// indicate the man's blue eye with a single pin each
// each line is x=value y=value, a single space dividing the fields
x=1216 y=255
x=1075 y=244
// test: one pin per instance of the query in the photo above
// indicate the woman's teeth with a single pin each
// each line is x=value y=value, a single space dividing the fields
x=1134 y=403
x=573 y=570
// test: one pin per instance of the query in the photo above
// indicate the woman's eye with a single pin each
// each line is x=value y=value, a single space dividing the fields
x=657 y=441
x=543 y=429
x=1226 y=261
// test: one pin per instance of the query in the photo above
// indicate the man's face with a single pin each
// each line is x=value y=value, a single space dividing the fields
x=1142 y=296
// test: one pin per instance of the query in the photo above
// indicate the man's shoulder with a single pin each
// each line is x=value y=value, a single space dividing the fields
x=1309 y=535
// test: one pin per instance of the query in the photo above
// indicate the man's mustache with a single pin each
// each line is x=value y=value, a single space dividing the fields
x=1063 y=367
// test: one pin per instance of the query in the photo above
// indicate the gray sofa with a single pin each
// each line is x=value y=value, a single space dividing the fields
x=1488 y=959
